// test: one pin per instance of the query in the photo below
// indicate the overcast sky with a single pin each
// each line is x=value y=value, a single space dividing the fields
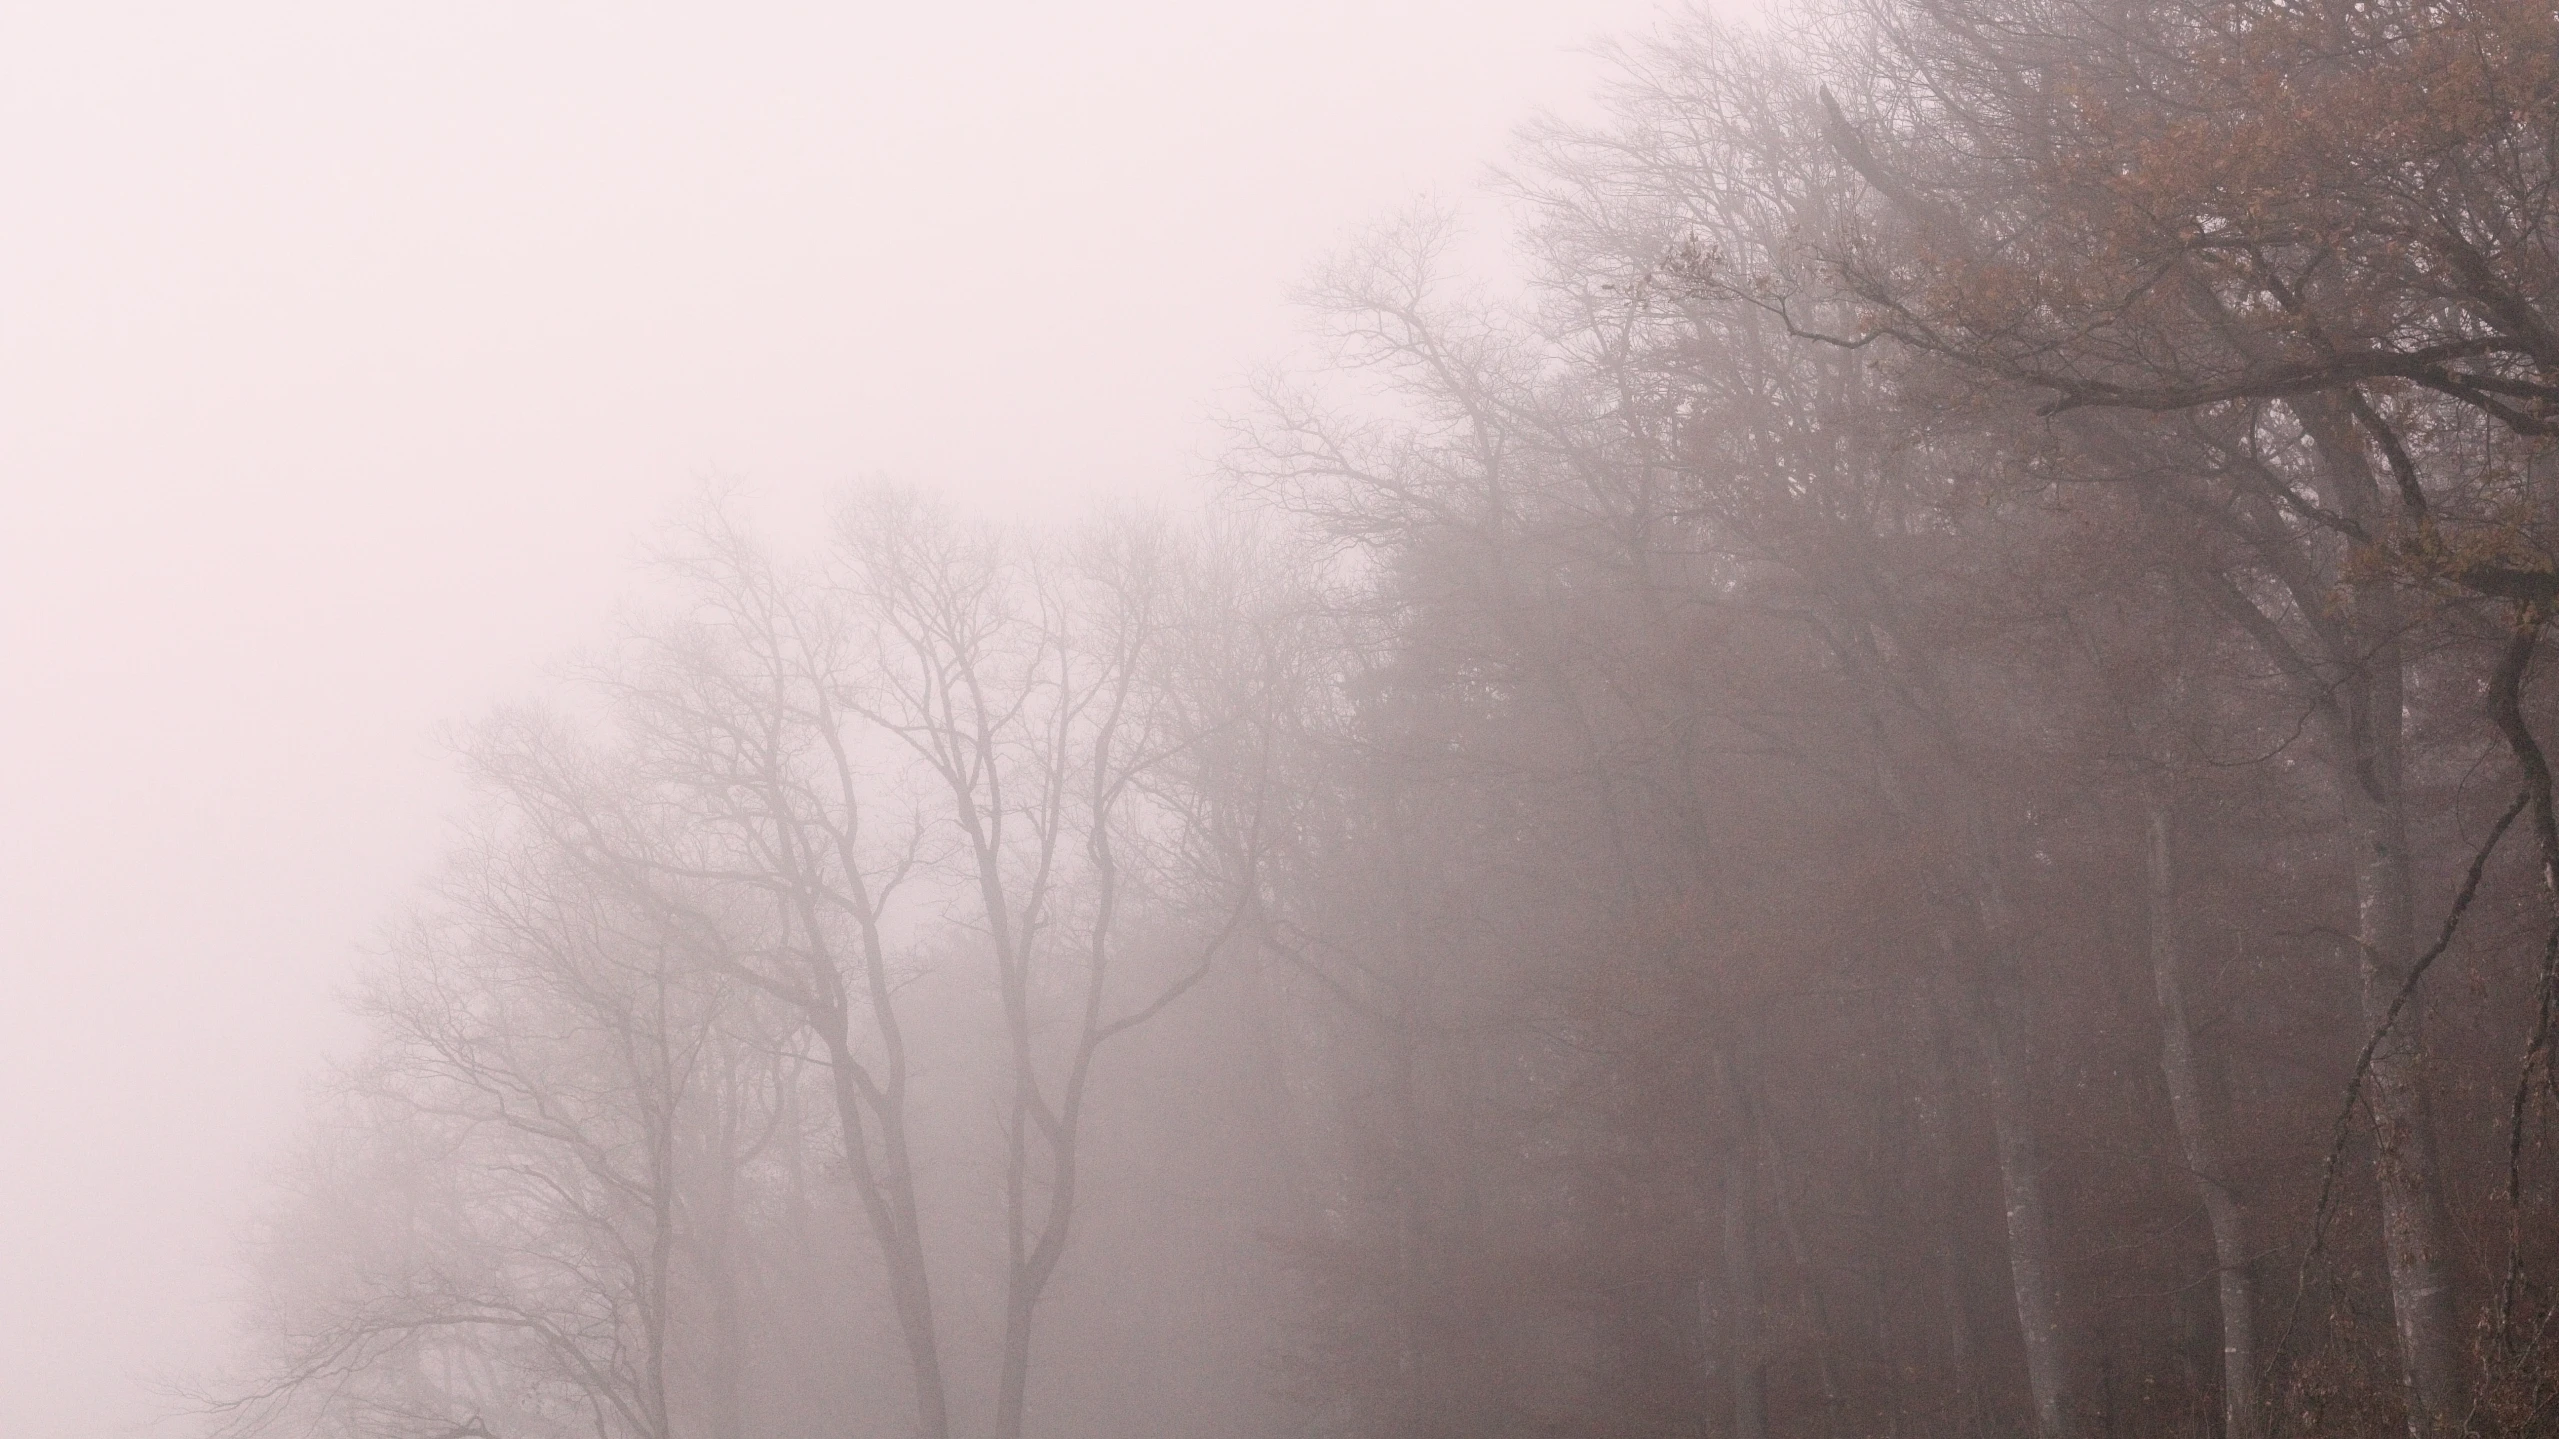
x=346 y=349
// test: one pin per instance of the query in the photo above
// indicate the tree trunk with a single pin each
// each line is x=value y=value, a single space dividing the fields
x=1411 y=1368
x=1767 y=1151
x=2413 y=1223
x=2197 y=1139
x=888 y=1201
x=2000 y=1026
x=1013 y=1385
x=716 y=1236
x=1032 y=1269
x=1746 y=1348
x=1938 y=1126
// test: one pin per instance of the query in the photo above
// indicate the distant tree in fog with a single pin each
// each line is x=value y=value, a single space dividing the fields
x=498 y=1240
x=810 y=791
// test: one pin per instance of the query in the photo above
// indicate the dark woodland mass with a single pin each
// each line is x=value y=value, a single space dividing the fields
x=1909 y=795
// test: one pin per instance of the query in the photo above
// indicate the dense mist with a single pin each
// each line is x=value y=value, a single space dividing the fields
x=1862 y=755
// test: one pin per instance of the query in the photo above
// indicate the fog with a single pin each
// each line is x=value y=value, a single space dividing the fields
x=348 y=354
x=1378 y=720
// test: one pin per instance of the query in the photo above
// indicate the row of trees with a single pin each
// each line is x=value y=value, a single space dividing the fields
x=1907 y=800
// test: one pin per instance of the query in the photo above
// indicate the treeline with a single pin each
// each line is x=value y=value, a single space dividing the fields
x=1906 y=800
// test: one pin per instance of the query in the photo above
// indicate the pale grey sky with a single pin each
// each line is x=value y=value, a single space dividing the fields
x=345 y=349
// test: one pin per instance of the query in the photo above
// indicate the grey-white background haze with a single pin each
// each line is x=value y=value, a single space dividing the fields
x=347 y=350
